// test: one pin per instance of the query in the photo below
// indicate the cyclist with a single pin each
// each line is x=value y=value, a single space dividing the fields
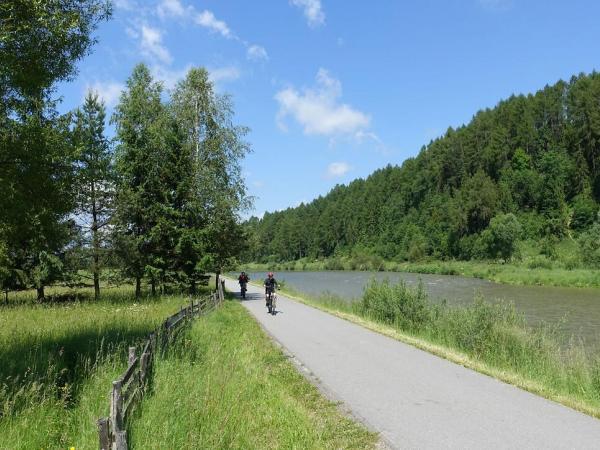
x=270 y=285
x=243 y=281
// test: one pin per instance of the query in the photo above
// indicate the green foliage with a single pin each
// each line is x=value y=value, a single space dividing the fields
x=395 y=304
x=40 y=44
x=532 y=158
x=589 y=243
x=500 y=238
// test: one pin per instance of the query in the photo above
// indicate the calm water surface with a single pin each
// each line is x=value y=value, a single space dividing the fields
x=580 y=307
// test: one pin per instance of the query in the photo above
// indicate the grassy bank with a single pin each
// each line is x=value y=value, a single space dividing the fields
x=228 y=386
x=490 y=338
x=536 y=270
x=57 y=363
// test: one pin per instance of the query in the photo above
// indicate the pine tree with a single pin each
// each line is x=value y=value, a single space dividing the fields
x=95 y=179
x=138 y=119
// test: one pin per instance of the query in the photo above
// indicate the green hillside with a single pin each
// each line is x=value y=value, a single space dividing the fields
x=526 y=170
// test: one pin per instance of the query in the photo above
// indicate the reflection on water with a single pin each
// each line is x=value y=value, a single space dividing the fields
x=580 y=307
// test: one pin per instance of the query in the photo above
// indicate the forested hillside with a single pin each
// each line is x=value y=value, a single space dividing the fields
x=527 y=169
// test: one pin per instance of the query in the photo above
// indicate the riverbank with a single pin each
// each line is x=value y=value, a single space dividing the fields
x=532 y=272
x=491 y=339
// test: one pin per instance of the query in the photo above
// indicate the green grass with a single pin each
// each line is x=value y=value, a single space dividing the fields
x=57 y=362
x=490 y=338
x=228 y=386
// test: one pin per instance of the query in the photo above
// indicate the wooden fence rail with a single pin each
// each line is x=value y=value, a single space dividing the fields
x=129 y=389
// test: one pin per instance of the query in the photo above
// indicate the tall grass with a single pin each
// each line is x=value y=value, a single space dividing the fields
x=57 y=362
x=490 y=337
x=228 y=386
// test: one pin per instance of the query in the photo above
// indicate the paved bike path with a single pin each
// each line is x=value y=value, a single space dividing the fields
x=415 y=399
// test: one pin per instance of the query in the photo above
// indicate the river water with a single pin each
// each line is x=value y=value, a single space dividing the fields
x=579 y=306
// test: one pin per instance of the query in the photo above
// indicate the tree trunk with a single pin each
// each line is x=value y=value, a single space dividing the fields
x=6 y=296
x=217 y=273
x=40 y=294
x=138 y=287
x=193 y=287
x=153 y=286
x=95 y=246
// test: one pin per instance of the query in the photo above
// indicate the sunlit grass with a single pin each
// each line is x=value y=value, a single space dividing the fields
x=57 y=362
x=228 y=386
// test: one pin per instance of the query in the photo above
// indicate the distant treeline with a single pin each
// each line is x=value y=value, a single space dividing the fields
x=527 y=169
x=158 y=202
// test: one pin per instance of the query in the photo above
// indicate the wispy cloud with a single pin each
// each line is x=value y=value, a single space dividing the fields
x=257 y=53
x=313 y=11
x=175 y=9
x=171 y=8
x=221 y=74
x=208 y=20
x=108 y=91
x=152 y=46
x=318 y=110
x=338 y=169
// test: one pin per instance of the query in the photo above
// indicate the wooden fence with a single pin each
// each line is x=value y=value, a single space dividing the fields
x=129 y=389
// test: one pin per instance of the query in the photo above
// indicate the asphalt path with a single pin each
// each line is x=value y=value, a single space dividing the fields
x=413 y=398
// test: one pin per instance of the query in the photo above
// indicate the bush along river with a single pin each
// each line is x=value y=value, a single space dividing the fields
x=577 y=310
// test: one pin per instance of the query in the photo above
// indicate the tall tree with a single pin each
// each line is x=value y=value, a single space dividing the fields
x=95 y=179
x=217 y=147
x=139 y=120
x=40 y=43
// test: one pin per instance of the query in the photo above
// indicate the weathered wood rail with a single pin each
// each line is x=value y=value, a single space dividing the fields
x=129 y=389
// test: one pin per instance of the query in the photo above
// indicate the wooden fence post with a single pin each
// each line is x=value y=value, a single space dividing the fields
x=116 y=408
x=121 y=440
x=131 y=357
x=144 y=368
x=103 y=434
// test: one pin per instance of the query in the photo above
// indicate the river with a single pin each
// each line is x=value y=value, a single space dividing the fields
x=579 y=306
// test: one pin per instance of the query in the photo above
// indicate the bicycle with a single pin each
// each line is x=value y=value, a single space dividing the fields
x=243 y=290
x=271 y=302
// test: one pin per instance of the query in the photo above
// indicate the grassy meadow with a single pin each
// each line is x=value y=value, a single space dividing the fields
x=223 y=381
x=58 y=360
x=490 y=338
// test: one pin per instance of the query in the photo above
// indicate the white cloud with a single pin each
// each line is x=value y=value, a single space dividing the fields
x=109 y=92
x=338 y=169
x=257 y=53
x=313 y=11
x=152 y=45
x=171 y=8
x=208 y=20
x=223 y=74
x=318 y=110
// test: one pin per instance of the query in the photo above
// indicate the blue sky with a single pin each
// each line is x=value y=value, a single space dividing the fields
x=334 y=89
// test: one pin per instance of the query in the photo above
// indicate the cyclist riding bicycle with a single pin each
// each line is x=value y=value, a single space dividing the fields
x=243 y=281
x=270 y=285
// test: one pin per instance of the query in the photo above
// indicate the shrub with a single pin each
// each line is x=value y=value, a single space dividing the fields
x=395 y=304
x=589 y=245
x=501 y=237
